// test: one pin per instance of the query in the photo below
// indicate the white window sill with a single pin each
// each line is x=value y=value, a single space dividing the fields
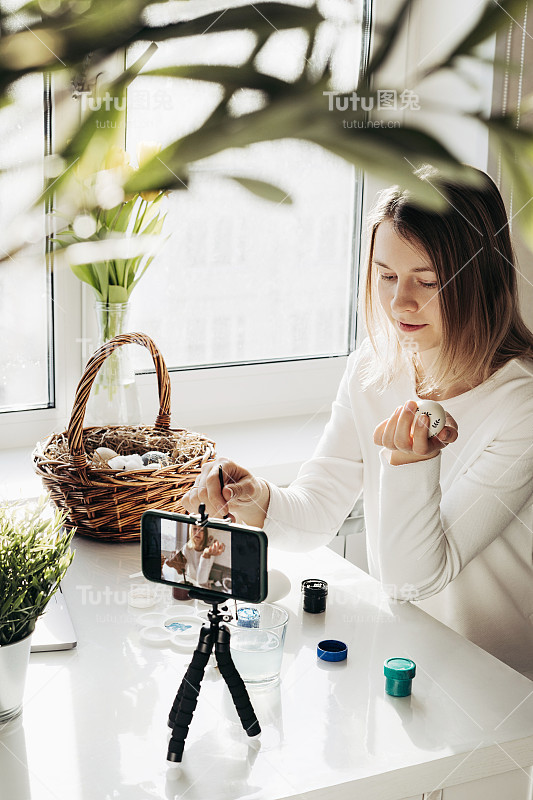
x=273 y=449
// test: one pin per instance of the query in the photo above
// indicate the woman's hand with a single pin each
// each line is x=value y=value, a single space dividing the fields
x=407 y=440
x=178 y=562
x=216 y=548
x=244 y=497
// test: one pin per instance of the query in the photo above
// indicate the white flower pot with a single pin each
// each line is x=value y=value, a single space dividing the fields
x=14 y=660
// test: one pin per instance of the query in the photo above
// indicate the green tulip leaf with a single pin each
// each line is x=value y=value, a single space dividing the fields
x=117 y=294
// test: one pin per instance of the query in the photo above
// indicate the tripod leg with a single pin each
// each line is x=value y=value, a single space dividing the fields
x=235 y=683
x=185 y=702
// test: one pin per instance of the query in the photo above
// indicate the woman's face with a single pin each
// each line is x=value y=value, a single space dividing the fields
x=408 y=290
x=197 y=537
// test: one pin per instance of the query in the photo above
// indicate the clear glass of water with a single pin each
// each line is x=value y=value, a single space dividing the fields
x=257 y=638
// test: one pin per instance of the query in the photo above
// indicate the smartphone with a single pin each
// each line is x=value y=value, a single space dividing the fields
x=215 y=560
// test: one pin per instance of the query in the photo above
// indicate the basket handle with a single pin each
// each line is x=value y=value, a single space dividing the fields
x=78 y=456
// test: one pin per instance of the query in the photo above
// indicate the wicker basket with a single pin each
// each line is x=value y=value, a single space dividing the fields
x=107 y=504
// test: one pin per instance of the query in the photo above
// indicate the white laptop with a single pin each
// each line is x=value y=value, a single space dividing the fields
x=54 y=629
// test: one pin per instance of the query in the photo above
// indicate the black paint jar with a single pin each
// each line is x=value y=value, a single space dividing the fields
x=315 y=592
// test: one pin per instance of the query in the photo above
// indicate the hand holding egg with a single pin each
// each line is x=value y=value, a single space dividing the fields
x=216 y=548
x=435 y=413
x=416 y=431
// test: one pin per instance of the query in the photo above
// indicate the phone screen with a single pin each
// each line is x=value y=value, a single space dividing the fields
x=216 y=558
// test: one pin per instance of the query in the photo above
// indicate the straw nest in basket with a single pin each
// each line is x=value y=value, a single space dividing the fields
x=182 y=447
x=107 y=503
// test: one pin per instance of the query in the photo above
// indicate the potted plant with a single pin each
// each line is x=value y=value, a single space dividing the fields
x=34 y=556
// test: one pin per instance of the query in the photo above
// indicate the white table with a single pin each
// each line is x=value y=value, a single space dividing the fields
x=94 y=721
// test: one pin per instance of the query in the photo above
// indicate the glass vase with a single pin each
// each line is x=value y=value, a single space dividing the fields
x=114 y=399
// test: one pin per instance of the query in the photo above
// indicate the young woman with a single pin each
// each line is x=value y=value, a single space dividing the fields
x=194 y=561
x=448 y=518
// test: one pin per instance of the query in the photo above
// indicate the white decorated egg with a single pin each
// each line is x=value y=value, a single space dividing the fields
x=102 y=456
x=126 y=462
x=118 y=462
x=436 y=414
x=134 y=462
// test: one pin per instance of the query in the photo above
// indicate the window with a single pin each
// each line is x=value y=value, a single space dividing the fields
x=242 y=280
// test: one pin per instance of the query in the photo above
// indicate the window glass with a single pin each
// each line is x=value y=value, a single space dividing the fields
x=25 y=292
x=239 y=278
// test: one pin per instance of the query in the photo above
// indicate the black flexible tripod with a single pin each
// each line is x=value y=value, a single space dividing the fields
x=181 y=713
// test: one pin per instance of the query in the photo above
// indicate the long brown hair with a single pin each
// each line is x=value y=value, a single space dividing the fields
x=469 y=246
x=207 y=538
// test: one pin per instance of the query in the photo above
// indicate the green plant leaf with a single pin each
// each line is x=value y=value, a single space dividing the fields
x=159 y=227
x=100 y=268
x=34 y=556
x=84 y=273
x=117 y=294
x=495 y=16
x=284 y=118
x=150 y=227
x=230 y=77
x=267 y=191
x=121 y=220
x=66 y=238
x=120 y=269
x=142 y=211
x=112 y=272
x=394 y=153
x=262 y=18
x=141 y=273
x=129 y=272
x=61 y=244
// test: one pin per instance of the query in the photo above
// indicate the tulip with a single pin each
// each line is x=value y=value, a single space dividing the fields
x=146 y=151
x=116 y=158
x=116 y=215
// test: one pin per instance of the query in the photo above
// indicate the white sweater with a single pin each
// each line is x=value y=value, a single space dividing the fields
x=455 y=532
